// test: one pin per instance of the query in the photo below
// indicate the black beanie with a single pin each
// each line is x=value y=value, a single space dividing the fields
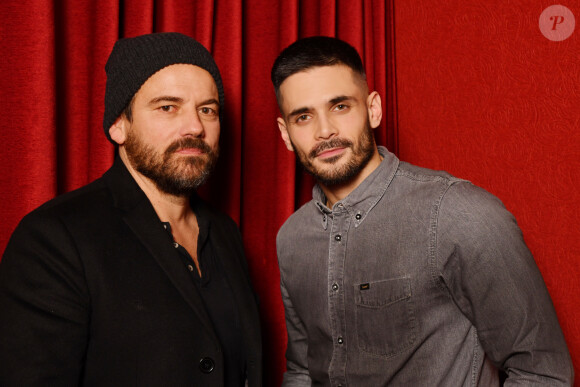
x=134 y=60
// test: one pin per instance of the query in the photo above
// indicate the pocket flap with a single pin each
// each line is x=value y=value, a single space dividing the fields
x=381 y=293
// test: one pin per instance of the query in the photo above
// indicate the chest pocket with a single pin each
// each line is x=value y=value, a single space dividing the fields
x=385 y=319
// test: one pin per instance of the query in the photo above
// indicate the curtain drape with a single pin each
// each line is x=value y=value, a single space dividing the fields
x=53 y=82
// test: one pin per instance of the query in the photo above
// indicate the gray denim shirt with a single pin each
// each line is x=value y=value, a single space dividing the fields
x=416 y=278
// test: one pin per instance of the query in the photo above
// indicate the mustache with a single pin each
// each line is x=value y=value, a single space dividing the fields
x=189 y=142
x=332 y=143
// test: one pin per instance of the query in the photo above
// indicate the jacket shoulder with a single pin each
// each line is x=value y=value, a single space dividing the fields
x=85 y=198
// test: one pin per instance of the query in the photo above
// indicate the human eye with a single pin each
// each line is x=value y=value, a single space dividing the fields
x=340 y=107
x=167 y=108
x=207 y=111
x=302 y=118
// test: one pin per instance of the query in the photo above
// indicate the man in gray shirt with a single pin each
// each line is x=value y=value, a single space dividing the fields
x=394 y=274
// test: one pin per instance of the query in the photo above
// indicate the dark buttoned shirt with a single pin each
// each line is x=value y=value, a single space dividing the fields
x=218 y=301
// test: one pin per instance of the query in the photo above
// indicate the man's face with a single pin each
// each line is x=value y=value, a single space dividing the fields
x=326 y=122
x=174 y=134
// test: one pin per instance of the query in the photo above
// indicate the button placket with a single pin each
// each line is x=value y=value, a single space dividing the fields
x=339 y=223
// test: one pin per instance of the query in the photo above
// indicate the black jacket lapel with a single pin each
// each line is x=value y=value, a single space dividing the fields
x=144 y=222
x=236 y=271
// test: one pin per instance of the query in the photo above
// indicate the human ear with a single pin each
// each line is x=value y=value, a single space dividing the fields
x=375 y=109
x=284 y=133
x=118 y=131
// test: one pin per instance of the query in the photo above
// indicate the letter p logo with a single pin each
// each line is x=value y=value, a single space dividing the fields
x=557 y=23
x=557 y=20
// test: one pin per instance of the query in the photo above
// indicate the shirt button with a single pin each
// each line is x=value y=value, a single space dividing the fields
x=338 y=238
x=335 y=287
x=165 y=226
x=206 y=365
x=340 y=340
x=175 y=244
x=190 y=267
x=358 y=216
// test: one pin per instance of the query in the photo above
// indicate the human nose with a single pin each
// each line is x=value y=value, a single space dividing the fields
x=192 y=125
x=325 y=128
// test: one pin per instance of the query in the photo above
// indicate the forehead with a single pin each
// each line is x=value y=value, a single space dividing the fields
x=320 y=84
x=180 y=78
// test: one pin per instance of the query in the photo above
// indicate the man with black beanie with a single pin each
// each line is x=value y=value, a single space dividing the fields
x=133 y=279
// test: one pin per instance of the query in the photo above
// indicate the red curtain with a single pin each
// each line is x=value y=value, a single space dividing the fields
x=53 y=82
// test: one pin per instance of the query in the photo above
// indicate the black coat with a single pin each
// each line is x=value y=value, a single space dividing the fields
x=93 y=293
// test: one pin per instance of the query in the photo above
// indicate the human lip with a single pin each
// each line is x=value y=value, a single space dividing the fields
x=190 y=151
x=331 y=152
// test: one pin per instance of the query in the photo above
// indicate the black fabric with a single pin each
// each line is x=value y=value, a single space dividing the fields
x=134 y=60
x=217 y=297
x=92 y=292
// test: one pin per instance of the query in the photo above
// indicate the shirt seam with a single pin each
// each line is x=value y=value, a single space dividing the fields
x=436 y=271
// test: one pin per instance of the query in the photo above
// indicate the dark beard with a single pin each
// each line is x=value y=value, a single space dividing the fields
x=362 y=152
x=174 y=175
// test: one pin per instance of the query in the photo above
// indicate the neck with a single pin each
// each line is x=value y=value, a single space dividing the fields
x=338 y=192
x=169 y=208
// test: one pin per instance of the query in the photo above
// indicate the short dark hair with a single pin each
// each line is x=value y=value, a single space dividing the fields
x=315 y=51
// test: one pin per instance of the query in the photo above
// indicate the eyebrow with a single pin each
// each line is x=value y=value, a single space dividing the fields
x=164 y=98
x=299 y=111
x=211 y=101
x=168 y=98
x=306 y=109
x=340 y=98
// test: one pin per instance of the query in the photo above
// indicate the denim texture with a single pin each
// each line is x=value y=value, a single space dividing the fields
x=416 y=278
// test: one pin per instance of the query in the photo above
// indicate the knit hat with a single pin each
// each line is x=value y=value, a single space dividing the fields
x=134 y=60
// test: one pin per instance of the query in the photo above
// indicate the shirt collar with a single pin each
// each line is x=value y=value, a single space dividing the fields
x=203 y=221
x=364 y=197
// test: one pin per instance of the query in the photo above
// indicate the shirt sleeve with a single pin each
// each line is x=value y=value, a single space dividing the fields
x=494 y=280
x=296 y=374
x=43 y=307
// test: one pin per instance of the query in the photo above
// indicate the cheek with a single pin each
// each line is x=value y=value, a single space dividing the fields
x=354 y=124
x=302 y=142
x=149 y=130
x=212 y=134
